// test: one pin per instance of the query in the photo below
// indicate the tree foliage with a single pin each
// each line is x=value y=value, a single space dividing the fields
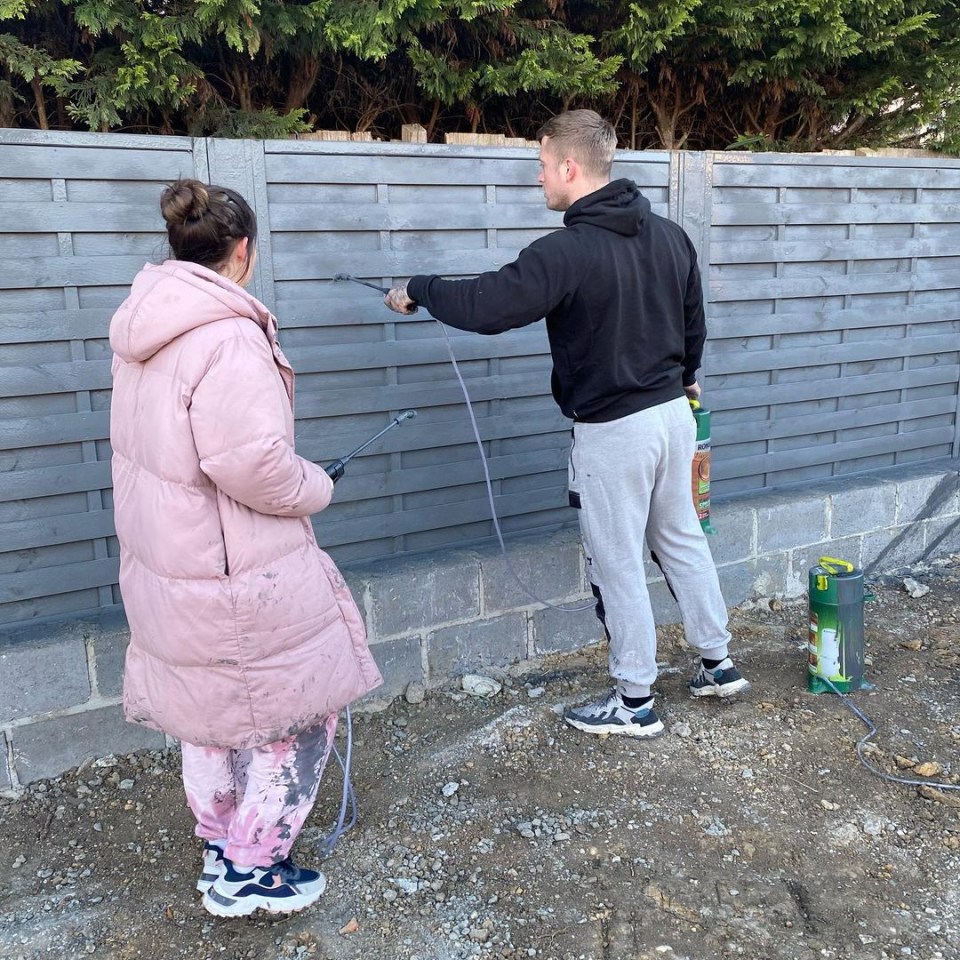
x=769 y=74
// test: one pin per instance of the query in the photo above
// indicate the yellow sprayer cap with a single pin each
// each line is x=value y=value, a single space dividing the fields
x=835 y=566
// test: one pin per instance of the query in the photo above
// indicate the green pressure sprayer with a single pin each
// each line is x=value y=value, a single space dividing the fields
x=700 y=480
x=835 y=651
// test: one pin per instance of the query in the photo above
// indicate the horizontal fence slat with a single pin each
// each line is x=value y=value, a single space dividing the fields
x=836 y=319
x=777 y=461
x=786 y=358
x=433 y=217
x=105 y=271
x=757 y=214
x=50 y=531
x=55 y=428
x=798 y=426
x=52 y=481
x=429 y=167
x=70 y=216
x=50 y=581
x=437 y=517
x=45 y=326
x=401 y=396
x=835 y=173
x=66 y=377
x=796 y=391
x=791 y=251
x=825 y=285
x=97 y=162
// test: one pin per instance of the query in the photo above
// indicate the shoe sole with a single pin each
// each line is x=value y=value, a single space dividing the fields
x=726 y=691
x=248 y=905
x=638 y=733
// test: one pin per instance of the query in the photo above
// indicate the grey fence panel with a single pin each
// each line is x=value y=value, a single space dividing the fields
x=834 y=288
x=834 y=303
x=383 y=214
x=78 y=217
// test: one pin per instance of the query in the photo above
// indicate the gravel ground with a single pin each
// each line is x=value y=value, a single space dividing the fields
x=489 y=829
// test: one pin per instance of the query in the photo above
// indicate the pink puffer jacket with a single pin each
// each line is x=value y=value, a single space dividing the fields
x=242 y=630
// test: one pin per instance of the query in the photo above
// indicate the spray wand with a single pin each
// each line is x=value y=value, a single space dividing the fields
x=335 y=470
x=366 y=283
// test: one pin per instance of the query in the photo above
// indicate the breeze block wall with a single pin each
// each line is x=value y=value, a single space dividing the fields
x=436 y=616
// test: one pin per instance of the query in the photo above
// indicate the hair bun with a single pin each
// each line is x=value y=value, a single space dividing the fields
x=184 y=200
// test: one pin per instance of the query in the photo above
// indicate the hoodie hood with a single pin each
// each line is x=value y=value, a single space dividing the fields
x=619 y=206
x=168 y=300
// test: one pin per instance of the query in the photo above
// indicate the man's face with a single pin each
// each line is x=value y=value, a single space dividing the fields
x=553 y=177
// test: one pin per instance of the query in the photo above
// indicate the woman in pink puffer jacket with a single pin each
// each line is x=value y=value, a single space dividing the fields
x=244 y=639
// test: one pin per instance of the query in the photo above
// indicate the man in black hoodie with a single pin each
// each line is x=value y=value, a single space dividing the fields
x=621 y=293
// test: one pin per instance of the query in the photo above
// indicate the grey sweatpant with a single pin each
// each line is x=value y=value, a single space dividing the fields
x=632 y=478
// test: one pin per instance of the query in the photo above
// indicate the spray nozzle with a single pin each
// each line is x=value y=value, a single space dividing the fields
x=366 y=283
x=335 y=470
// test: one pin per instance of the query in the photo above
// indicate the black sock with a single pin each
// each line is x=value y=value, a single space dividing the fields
x=711 y=664
x=635 y=703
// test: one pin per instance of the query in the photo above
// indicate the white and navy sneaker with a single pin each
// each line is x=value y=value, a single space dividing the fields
x=282 y=888
x=212 y=868
x=723 y=681
x=612 y=715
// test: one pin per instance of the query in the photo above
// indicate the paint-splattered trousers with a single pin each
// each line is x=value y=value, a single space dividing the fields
x=258 y=799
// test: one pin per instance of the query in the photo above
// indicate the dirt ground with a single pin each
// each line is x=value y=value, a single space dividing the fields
x=487 y=828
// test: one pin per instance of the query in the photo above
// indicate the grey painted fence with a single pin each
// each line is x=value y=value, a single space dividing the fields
x=834 y=306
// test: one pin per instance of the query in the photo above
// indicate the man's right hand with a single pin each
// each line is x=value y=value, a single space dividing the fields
x=693 y=390
x=398 y=301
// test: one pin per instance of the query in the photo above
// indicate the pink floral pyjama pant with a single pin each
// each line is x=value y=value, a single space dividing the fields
x=257 y=799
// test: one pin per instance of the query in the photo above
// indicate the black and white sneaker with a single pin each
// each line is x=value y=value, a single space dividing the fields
x=282 y=888
x=723 y=681
x=212 y=868
x=612 y=715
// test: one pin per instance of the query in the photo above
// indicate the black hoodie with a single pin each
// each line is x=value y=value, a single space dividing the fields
x=621 y=294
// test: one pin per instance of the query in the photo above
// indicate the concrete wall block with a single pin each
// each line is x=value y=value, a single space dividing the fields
x=735 y=523
x=847 y=548
x=941 y=537
x=890 y=550
x=454 y=651
x=400 y=662
x=109 y=652
x=5 y=781
x=421 y=593
x=549 y=566
x=41 y=676
x=557 y=632
x=923 y=497
x=862 y=507
x=737 y=580
x=47 y=748
x=786 y=522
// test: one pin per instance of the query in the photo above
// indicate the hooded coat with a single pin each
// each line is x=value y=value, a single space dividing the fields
x=621 y=293
x=242 y=631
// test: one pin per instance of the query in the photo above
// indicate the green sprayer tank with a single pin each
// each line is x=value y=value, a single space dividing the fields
x=700 y=481
x=836 y=596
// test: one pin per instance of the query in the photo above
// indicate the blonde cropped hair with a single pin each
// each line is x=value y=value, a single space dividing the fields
x=586 y=137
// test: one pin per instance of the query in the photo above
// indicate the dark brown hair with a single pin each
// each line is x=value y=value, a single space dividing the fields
x=205 y=222
x=585 y=136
